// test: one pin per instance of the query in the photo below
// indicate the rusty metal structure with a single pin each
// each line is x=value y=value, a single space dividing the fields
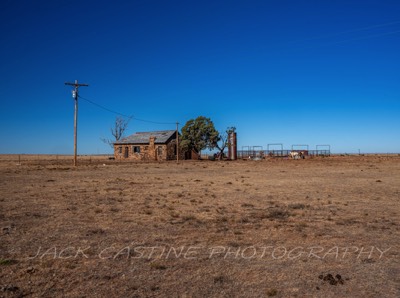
x=232 y=148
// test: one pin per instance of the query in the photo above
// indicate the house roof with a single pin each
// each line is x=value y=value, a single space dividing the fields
x=162 y=137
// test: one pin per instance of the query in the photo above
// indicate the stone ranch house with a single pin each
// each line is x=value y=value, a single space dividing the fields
x=153 y=145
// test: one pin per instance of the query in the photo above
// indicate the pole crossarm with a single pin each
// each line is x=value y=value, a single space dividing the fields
x=76 y=84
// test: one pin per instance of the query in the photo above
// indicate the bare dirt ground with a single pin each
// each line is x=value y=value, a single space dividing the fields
x=321 y=227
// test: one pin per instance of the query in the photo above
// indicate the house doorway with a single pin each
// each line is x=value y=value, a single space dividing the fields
x=126 y=153
x=159 y=152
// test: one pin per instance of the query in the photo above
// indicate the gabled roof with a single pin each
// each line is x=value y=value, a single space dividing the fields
x=162 y=137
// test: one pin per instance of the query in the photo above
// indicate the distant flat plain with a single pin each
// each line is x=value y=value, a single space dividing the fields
x=318 y=227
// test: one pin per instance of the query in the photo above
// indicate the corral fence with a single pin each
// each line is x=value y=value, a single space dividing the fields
x=276 y=150
x=251 y=153
x=55 y=159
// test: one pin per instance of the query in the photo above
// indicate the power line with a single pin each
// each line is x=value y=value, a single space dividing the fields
x=327 y=44
x=154 y=122
x=104 y=108
x=365 y=37
x=123 y=115
x=347 y=32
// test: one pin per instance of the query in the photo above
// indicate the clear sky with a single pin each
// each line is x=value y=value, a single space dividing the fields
x=291 y=72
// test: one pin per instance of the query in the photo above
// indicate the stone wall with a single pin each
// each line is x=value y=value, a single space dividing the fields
x=172 y=151
x=149 y=151
x=140 y=152
x=146 y=151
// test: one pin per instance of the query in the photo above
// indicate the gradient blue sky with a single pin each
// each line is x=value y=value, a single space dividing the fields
x=292 y=72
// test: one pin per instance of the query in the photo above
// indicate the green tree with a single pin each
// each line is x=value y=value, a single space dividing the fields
x=199 y=134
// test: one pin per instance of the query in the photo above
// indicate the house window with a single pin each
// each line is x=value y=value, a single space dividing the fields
x=160 y=150
x=136 y=149
x=120 y=149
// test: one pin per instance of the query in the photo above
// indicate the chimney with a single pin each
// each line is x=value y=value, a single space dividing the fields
x=152 y=141
x=152 y=148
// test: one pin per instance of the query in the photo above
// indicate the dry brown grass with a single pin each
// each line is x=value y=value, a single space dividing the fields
x=216 y=229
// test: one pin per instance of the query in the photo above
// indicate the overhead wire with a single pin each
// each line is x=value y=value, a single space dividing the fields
x=124 y=115
x=104 y=108
x=365 y=37
x=349 y=31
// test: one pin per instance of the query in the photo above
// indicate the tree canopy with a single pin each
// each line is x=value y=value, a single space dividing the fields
x=199 y=134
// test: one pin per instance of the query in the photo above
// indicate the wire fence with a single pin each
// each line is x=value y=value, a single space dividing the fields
x=254 y=154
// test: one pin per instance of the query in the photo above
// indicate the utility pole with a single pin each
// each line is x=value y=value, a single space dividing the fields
x=75 y=96
x=177 y=142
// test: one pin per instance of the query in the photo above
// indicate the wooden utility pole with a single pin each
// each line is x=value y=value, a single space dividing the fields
x=75 y=96
x=177 y=142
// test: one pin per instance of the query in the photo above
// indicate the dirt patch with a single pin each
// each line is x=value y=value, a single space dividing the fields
x=325 y=227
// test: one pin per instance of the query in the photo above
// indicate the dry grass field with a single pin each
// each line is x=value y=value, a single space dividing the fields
x=321 y=227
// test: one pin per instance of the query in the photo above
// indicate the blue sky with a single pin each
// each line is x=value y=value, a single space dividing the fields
x=292 y=72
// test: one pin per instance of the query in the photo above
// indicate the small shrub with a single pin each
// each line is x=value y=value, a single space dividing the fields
x=297 y=206
x=158 y=266
x=245 y=220
x=7 y=262
x=272 y=293
x=219 y=279
x=222 y=219
x=278 y=214
x=234 y=244
x=95 y=231
x=189 y=217
x=155 y=288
